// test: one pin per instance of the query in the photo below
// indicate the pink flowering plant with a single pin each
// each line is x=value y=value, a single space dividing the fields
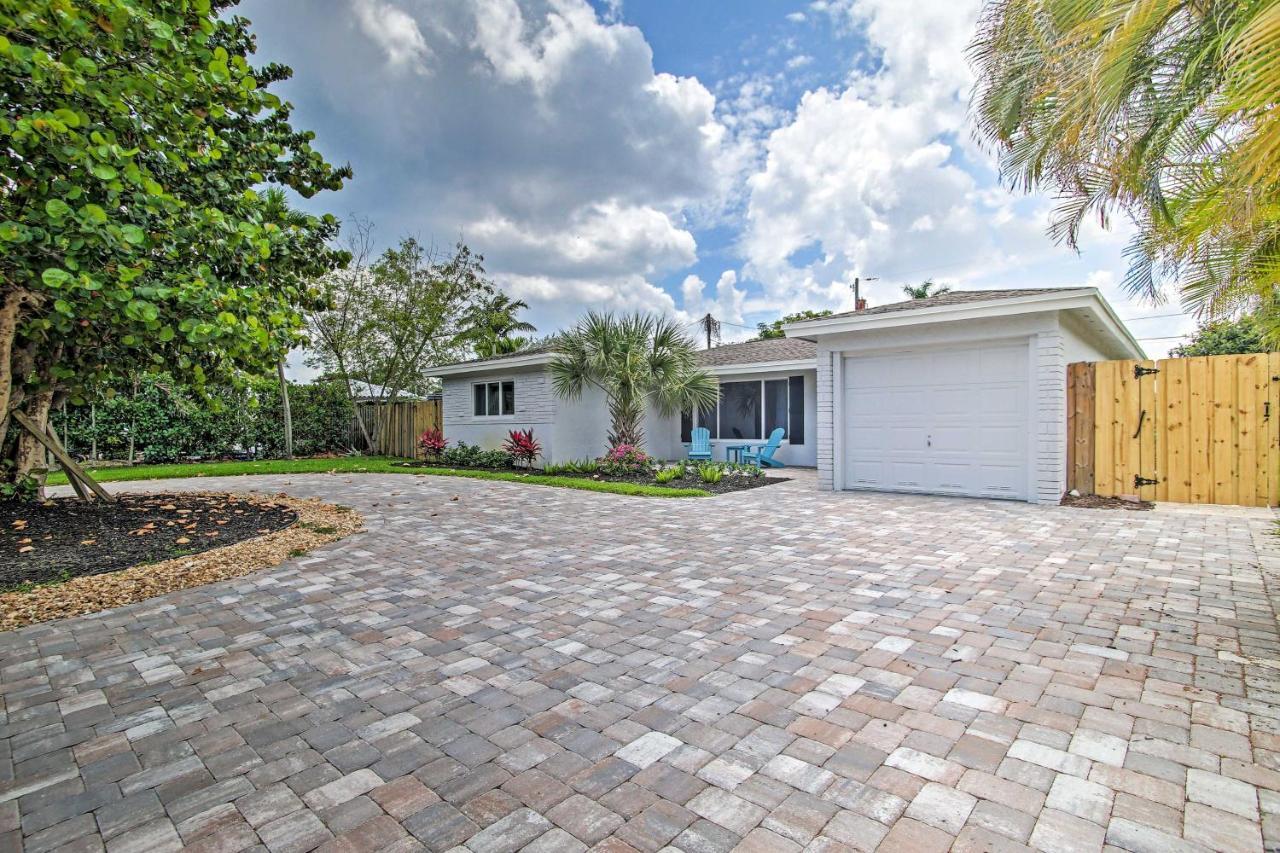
x=625 y=459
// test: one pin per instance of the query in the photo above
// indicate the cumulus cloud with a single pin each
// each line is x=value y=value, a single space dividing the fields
x=396 y=32
x=542 y=134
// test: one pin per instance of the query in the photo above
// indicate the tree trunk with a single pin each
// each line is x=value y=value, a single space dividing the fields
x=627 y=425
x=30 y=457
x=10 y=311
x=285 y=412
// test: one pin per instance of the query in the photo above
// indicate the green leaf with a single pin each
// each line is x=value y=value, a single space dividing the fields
x=133 y=234
x=103 y=171
x=55 y=277
x=57 y=208
x=94 y=213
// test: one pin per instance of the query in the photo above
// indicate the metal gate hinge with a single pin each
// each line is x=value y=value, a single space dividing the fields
x=1139 y=481
x=1139 y=371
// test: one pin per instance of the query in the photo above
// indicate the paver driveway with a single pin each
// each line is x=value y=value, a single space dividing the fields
x=497 y=666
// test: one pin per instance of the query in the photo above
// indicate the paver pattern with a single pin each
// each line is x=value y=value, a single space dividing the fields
x=494 y=667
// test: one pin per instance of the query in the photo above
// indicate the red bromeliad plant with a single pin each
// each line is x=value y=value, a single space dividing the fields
x=522 y=446
x=432 y=444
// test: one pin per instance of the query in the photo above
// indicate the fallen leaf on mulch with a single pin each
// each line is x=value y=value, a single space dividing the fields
x=317 y=524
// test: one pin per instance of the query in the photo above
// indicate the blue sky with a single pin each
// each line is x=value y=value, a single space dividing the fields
x=743 y=157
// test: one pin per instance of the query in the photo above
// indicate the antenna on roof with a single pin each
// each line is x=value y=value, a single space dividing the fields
x=858 y=302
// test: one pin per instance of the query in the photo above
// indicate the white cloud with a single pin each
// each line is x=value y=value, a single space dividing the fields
x=727 y=304
x=543 y=136
x=396 y=32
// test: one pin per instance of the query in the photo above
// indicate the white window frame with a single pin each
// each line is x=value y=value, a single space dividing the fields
x=493 y=415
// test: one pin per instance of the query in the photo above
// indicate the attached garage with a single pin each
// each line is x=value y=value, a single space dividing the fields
x=951 y=420
x=962 y=394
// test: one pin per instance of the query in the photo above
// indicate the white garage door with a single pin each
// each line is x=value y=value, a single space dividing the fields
x=950 y=421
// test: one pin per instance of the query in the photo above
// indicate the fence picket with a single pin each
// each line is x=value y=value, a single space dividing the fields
x=1208 y=435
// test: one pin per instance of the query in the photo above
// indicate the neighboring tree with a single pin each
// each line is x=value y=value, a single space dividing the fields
x=386 y=322
x=276 y=206
x=1225 y=337
x=136 y=137
x=765 y=331
x=925 y=289
x=491 y=326
x=637 y=361
x=1164 y=111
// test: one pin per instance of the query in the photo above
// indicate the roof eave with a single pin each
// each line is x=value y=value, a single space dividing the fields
x=490 y=366
x=1087 y=298
x=763 y=366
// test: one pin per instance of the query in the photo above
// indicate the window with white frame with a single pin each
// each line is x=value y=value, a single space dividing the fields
x=750 y=410
x=492 y=399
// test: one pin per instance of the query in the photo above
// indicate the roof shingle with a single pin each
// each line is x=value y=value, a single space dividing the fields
x=952 y=297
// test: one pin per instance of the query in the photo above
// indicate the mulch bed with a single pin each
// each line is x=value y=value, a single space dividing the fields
x=728 y=483
x=293 y=526
x=64 y=538
x=1100 y=502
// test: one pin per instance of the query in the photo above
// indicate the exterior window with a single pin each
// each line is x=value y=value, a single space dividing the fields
x=775 y=406
x=490 y=399
x=752 y=410
x=795 y=430
x=740 y=410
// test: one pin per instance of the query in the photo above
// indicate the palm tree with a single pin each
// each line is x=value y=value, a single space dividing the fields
x=637 y=361
x=925 y=289
x=1164 y=110
x=491 y=326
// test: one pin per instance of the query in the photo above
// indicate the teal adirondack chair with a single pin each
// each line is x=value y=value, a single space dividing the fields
x=762 y=455
x=700 y=444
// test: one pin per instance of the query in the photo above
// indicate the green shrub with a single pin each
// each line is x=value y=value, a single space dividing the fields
x=465 y=455
x=710 y=472
x=666 y=475
x=169 y=421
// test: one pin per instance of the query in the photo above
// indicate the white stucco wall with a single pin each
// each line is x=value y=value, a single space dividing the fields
x=535 y=409
x=1048 y=345
x=578 y=429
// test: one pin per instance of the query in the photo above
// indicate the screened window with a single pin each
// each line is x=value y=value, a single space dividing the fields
x=490 y=399
x=752 y=410
x=740 y=410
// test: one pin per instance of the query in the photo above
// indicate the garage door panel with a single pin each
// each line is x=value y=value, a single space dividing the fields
x=953 y=421
x=1004 y=400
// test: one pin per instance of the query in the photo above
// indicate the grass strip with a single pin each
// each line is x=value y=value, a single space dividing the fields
x=367 y=465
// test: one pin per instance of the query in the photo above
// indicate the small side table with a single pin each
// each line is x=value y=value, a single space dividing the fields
x=733 y=452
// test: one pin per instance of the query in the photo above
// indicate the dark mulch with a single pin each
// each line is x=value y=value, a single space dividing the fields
x=1100 y=502
x=64 y=538
x=691 y=480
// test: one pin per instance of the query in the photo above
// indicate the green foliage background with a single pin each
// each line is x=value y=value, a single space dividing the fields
x=169 y=422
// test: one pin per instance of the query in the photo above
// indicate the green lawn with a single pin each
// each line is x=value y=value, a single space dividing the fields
x=366 y=465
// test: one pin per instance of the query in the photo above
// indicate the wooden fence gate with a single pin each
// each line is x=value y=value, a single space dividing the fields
x=397 y=426
x=1190 y=430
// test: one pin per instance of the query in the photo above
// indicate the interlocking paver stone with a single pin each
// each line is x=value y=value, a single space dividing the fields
x=524 y=667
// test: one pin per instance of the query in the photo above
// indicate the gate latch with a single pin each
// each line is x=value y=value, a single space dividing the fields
x=1139 y=481
x=1139 y=371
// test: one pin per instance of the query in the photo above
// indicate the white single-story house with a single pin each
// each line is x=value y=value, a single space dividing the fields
x=763 y=385
x=958 y=394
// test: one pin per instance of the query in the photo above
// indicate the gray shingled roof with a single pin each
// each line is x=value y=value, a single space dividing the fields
x=756 y=352
x=955 y=297
x=747 y=352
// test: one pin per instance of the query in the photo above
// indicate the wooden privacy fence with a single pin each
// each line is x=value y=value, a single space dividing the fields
x=1190 y=430
x=395 y=427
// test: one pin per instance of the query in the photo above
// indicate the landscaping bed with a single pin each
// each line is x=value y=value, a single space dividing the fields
x=111 y=564
x=690 y=483
x=1101 y=502
x=64 y=538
